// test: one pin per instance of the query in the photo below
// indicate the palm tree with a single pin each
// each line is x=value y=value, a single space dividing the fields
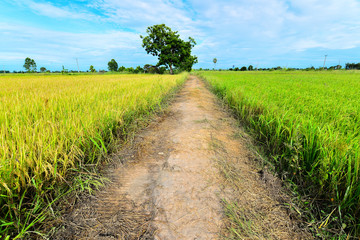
x=215 y=61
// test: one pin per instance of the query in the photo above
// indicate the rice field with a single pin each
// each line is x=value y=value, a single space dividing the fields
x=50 y=126
x=309 y=123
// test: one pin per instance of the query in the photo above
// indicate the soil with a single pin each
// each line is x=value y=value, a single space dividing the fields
x=173 y=180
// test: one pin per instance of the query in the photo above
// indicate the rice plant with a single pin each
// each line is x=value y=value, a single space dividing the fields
x=309 y=122
x=50 y=126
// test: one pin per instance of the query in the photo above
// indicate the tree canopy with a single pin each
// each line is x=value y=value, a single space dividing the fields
x=352 y=66
x=215 y=61
x=112 y=65
x=169 y=48
x=92 y=69
x=30 y=65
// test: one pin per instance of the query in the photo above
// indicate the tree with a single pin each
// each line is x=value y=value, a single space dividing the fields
x=64 y=70
x=43 y=69
x=214 y=61
x=138 y=69
x=112 y=65
x=250 y=68
x=169 y=48
x=92 y=69
x=349 y=66
x=187 y=64
x=148 y=68
x=243 y=68
x=30 y=65
x=130 y=70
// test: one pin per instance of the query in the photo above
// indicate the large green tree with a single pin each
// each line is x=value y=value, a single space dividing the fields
x=113 y=65
x=30 y=65
x=169 y=48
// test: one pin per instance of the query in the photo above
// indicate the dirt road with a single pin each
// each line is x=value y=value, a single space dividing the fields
x=173 y=181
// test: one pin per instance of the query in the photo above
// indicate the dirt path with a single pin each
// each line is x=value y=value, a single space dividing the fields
x=172 y=182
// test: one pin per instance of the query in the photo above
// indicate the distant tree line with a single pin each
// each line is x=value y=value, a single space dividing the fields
x=251 y=68
x=350 y=66
x=148 y=68
x=31 y=67
x=243 y=68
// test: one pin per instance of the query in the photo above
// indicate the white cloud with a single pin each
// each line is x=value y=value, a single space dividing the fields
x=235 y=30
x=59 y=47
x=50 y=10
x=80 y=41
x=138 y=15
x=269 y=28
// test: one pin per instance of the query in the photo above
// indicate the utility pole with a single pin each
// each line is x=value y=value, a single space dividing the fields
x=77 y=63
x=324 y=62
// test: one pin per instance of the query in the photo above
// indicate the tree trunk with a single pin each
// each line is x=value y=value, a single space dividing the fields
x=171 y=70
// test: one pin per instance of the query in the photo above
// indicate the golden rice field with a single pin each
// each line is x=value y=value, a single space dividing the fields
x=52 y=125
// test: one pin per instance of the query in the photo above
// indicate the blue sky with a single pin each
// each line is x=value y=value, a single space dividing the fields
x=264 y=33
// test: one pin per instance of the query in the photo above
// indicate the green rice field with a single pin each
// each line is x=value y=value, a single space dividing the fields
x=309 y=123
